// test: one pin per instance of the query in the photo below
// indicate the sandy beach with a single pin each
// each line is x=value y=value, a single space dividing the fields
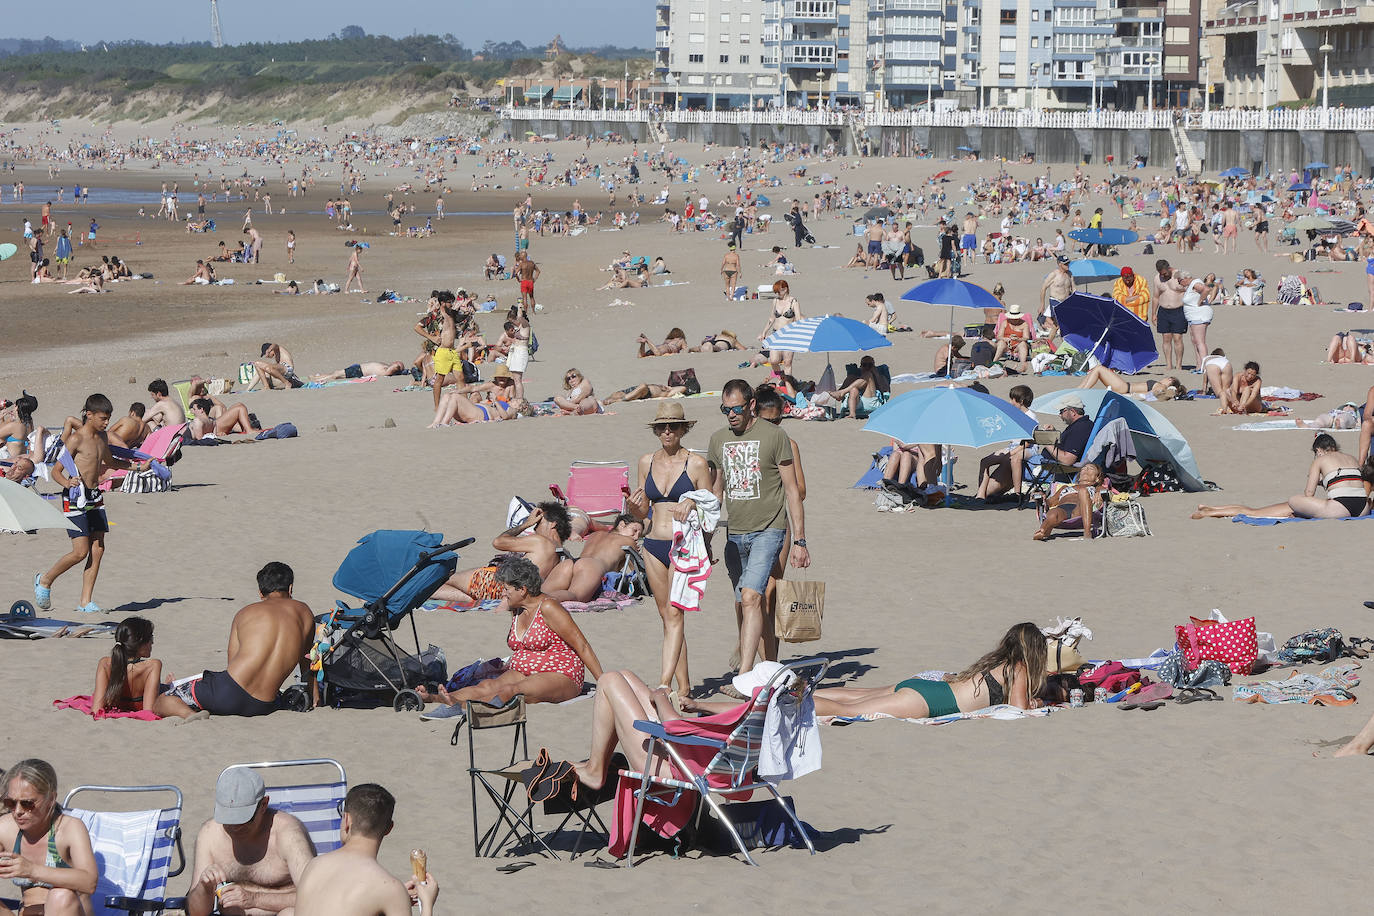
x=1217 y=804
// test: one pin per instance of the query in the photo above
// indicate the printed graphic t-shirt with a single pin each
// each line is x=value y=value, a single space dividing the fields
x=754 y=496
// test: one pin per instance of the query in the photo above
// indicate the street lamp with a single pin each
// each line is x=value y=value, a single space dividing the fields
x=1269 y=56
x=982 y=78
x=1150 y=81
x=1035 y=86
x=1206 y=83
x=1325 y=51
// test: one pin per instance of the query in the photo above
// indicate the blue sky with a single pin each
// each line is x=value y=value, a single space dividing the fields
x=580 y=22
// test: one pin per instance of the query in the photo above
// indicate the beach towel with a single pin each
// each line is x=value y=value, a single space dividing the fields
x=84 y=704
x=1280 y=393
x=1329 y=688
x=17 y=626
x=1265 y=522
x=968 y=375
x=123 y=846
x=1004 y=711
x=1264 y=426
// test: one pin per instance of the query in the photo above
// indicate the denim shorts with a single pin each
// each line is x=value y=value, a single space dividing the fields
x=749 y=558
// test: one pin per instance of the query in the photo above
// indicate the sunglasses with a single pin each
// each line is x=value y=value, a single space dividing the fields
x=661 y=428
x=570 y=377
x=774 y=420
x=26 y=804
x=734 y=411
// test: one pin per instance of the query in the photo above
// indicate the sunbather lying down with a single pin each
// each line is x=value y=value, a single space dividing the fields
x=457 y=407
x=674 y=342
x=361 y=370
x=646 y=390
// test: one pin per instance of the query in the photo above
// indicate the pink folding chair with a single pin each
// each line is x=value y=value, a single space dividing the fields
x=161 y=444
x=598 y=488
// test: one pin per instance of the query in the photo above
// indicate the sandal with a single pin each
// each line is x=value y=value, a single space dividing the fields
x=513 y=867
x=1147 y=705
x=1187 y=695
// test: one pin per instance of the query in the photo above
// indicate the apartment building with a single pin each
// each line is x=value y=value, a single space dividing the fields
x=1267 y=52
x=719 y=54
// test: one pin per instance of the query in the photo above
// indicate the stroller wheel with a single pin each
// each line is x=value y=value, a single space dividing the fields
x=296 y=698
x=408 y=701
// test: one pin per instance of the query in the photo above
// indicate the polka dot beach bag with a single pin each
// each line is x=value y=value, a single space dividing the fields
x=1234 y=644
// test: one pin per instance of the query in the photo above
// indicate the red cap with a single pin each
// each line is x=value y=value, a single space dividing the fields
x=1127 y=273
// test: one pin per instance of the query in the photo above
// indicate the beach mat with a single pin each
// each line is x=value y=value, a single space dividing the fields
x=1266 y=522
x=1264 y=426
x=20 y=627
x=1004 y=712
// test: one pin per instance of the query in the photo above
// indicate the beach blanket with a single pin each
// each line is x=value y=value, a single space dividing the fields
x=1004 y=711
x=13 y=626
x=1279 y=393
x=341 y=381
x=1265 y=522
x=83 y=704
x=968 y=375
x=1329 y=688
x=1264 y=426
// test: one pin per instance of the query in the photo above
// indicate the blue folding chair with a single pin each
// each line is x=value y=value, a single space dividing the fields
x=318 y=805
x=134 y=866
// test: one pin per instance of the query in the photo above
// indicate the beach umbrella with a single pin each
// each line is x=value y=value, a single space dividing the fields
x=950 y=415
x=1090 y=269
x=1316 y=165
x=1300 y=186
x=955 y=294
x=1343 y=226
x=1112 y=332
x=966 y=149
x=21 y=509
x=878 y=213
x=1313 y=222
x=1104 y=236
x=1234 y=171
x=945 y=174
x=826 y=334
x=7 y=251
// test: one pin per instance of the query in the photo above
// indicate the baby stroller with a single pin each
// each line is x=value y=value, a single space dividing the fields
x=356 y=658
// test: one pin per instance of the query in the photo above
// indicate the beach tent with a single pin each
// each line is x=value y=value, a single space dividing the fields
x=1155 y=438
x=538 y=92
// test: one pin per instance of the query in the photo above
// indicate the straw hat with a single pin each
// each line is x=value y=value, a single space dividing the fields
x=1014 y=311
x=670 y=412
x=500 y=372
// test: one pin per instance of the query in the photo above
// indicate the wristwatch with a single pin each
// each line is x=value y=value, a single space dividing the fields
x=799 y=542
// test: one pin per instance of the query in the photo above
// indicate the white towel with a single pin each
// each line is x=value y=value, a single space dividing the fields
x=123 y=845
x=791 y=745
x=689 y=560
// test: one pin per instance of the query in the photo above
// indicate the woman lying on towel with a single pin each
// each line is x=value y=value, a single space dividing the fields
x=551 y=656
x=1347 y=489
x=1012 y=673
x=1165 y=389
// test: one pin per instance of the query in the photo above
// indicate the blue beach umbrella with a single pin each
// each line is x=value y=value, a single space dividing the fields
x=1300 y=186
x=966 y=149
x=950 y=416
x=1316 y=165
x=1234 y=171
x=955 y=294
x=826 y=334
x=1104 y=236
x=1090 y=269
x=1114 y=334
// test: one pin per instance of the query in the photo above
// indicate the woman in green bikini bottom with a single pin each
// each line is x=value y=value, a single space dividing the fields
x=1012 y=673
x=44 y=852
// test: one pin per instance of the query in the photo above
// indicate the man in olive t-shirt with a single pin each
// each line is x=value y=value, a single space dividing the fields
x=757 y=484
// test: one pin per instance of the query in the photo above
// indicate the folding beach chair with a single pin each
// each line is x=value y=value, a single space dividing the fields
x=718 y=756
x=162 y=445
x=514 y=826
x=134 y=850
x=1073 y=523
x=318 y=805
x=597 y=488
x=1038 y=478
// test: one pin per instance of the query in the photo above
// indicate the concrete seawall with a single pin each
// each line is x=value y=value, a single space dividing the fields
x=1257 y=150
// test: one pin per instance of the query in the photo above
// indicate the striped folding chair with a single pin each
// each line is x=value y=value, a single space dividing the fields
x=134 y=849
x=719 y=762
x=316 y=804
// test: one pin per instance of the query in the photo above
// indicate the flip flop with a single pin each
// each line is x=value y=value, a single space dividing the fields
x=513 y=867
x=600 y=863
x=1146 y=705
x=1196 y=695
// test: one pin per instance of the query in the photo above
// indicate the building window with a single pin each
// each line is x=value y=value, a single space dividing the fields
x=697 y=38
x=696 y=17
x=1006 y=71
x=1007 y=44
x=1008 y=17
x=696 y=58
x=724 y=17
x=1176 y=35
x=1180 y=8
x=1035 y=41
x=744 y=58
x=725 y=58
x=725 y=38
x=1176 y=63
x=1074 y=16
x=744 y=38
x=744 y=18
x=1035 y=15
x=975 y=15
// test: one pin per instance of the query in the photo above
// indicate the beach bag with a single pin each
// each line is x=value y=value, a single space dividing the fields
x=1323 y=644
x=686 y=378
x=1125 y=519
x=1234 y=644
x=1175 y=671
x=534 y=342
x=1063 y=657
x=1156 y=478
x=800 y=607
x=157 y=479
x=470 y=373
x=246 y=373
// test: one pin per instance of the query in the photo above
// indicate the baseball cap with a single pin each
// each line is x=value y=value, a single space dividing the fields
x=237 y=795
x=1069 y=400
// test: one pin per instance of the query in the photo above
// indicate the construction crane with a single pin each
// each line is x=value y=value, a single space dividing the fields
x=216 y=36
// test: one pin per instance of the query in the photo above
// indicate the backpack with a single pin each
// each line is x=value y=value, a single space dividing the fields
x=534 y=343
x=631 y=580
x=470 y=376
x=1323 y=644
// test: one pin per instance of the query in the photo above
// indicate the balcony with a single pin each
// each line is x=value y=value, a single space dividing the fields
x=1298 y=56
x=811 y=11
x=808 y=54
x=1135 y=43
x=661 y=22
x=1336 y=15
x=1109 y=12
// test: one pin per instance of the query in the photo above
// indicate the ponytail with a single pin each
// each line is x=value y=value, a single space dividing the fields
x=131 y=635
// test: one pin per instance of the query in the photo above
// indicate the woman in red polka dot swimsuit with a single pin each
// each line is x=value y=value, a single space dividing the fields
x=551 y=656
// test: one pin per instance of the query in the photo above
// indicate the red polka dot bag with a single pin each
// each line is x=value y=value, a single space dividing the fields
x=1234 y=644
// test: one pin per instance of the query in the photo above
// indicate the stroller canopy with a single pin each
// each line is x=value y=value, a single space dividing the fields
x=384 y=558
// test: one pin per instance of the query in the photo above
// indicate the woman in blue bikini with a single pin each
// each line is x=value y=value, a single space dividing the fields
x=668 y=475
x=1012 y=673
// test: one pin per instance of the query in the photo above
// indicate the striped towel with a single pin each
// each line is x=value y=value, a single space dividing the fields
x=1005 y=711
x=123 y=845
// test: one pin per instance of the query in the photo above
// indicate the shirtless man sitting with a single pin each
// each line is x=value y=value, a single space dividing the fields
x=166 y=411
x=204 y=275
x=348 y=881
x=235 y=419
x=276 y=369
x=861 y=390
x=603 y=552
x=362 y=370
x=1243 y=394
x=539 y=537
x=129 y=431
x=267 y=641
x=249 y=857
